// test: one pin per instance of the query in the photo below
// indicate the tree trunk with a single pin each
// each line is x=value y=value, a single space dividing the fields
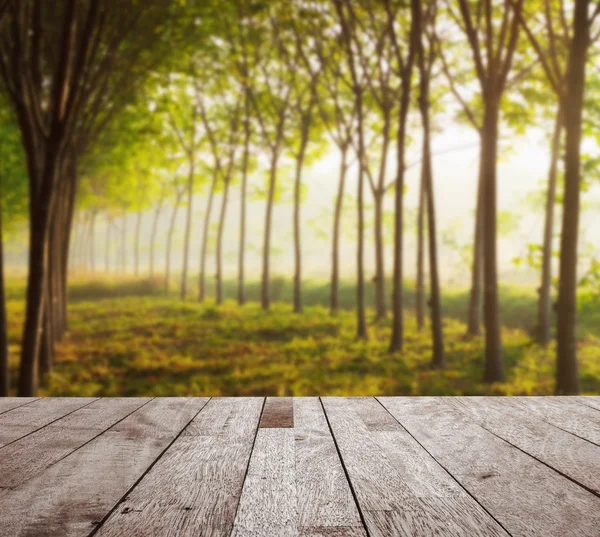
x=420 y=284
x=205 y=236
x=4 y=375
x=297 y=221
x=567 y=374
x=494 y=368
x=153 y=233
x=335 y=247
x=544 y=306
x=188 y=232
x=378 y=195
x=265 y=291
x=437 y=359
x=170 y=241
x=57 y=240
x=138 y=226
x=397 y=338
x=379 y=258
x=219 y=260
x=474 y=319
x=36 y=296
x=244 y=189
x=360 y=283
x=242 y=247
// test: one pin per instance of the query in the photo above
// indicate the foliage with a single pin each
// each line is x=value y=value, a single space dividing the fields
x=125 y=342
x=13 y=173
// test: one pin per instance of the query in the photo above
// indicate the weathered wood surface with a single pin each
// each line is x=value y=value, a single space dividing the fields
x=401 y=489
x=306 y=467
x=527 y=497
x=197 y=483
x=71 y=497
x=295 y=483
x=28 y=418
x=28 y=456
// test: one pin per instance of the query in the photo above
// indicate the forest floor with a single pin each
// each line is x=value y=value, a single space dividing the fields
x=126 y=339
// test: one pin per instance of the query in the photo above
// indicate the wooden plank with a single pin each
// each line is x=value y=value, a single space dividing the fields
x=590 y=401
x=278 y=413
x=562 y=412
x=8 y=403
x=568 y=454
x=296 y=484
x=526 y=497
x=28 y=418
x=28 y=456
x=195 y=487
x=400 y=488
x=72 y=496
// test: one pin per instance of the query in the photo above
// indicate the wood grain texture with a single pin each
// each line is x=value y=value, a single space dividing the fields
x=8 y=403
x=72 y=496
x=296 y=484
x=562 y=412
x=568 y=454
x=278 y=413
x=401 y=490
x=174 y=467
x=589 y=401
x=195 y=487
x=30 y=417
x=526 y=497
x=28 y=456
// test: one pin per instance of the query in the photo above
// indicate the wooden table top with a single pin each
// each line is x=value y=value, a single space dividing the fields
x=310 y=467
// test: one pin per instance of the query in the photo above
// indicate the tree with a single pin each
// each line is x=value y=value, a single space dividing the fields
x=270 y=96
x=179 y=193
x=337 y=109
x=182 y=115
x=550 y=41
x=426 y=60
x=304 y=100
x=567 y=374
x=493 y=48
x=358 y=89
x=550 y=54
x=405 y=69
x=224 y=124
x=59 y=67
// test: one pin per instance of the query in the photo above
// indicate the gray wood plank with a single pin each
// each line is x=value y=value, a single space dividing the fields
x=194 y=488
x=278 y=413
x=296 y=484
x=568 y=454
x=562 y=412
x=28 y=456
x=8 y=403
x=28 y=418
x=526 y=497
x=589 y=401
x=400 y=488
x=72 y=496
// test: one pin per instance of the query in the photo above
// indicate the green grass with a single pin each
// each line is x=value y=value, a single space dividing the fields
x=127 y=340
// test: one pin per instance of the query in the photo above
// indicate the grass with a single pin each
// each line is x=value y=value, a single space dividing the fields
x=126 y=339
